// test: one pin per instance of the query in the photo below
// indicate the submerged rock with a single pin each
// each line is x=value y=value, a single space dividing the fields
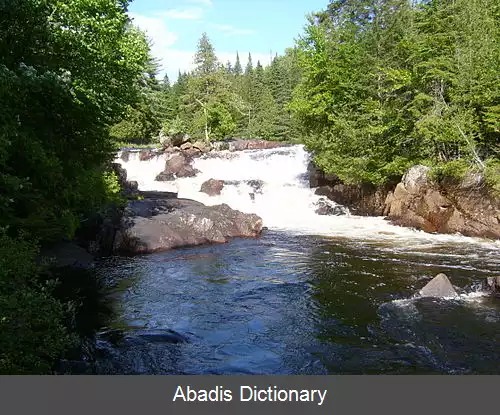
x=212 y=187
x=154 y=225
x=440 y=286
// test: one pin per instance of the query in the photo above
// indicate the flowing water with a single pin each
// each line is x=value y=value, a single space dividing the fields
x=314 y=295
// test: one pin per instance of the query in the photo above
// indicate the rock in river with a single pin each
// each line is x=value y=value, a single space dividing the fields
x=212 y=187
x=440 y=286
x=155 y=225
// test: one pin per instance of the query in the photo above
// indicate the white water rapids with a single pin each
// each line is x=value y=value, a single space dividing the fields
x=285 y=201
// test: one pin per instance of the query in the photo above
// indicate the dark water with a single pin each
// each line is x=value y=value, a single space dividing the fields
x=286 y=304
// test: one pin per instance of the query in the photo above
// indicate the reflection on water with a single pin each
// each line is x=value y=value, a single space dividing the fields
x=295 y=304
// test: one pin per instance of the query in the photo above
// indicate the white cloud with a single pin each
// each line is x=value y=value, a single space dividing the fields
x=172 y=59
x=232 y=31
x=207 y=3
x=191 y=13
x=156 y=29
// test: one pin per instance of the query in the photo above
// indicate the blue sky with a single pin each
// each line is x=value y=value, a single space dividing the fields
x=261 y=27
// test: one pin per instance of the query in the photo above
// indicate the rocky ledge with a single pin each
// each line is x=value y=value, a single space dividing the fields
x=154 y=225
x=465 y=207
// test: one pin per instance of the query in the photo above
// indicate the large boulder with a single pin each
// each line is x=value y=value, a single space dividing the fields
x=464 y=207
x=146 y=155
x=192 y=152
x=154 y=225
x=186 y=146
x=203 y=146
x=179 y=165
x=325 y=207
x=440 y=287
x=164 y=140
x=179 y=139
x=212 y=187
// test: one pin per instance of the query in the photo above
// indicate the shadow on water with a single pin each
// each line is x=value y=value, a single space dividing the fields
x=288 y=304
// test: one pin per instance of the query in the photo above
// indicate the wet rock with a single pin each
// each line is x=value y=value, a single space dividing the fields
x=192 y=152
x=363 y=200
x=318 y=178
x=164 y=140
x=186 y=146
x=179 y=165
x=324 y=207
x=493 y=284
x=178 y=140
x=212 y=187
x=240 y=145
x=151 y=194
x=202 y=146
x=164 y=177
x=120 y=172
x=440 y=286
x=146 y=155
x=256 y=185
x=125 y=156
x=158 y=225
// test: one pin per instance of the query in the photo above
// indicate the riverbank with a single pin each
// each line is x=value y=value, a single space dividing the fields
x=467 y=207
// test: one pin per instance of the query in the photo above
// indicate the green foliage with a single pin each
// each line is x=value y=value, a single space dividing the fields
x=390 y=83
x=174 y=127
x=58 y=90
x=112 y=188
x=492 y=176
x=32 y=331
x=455 y=170
x=68 y=70
x=218 y=102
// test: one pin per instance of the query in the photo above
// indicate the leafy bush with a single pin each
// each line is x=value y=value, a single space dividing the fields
x=455 y=170
x=32 y=331
x=492 y=176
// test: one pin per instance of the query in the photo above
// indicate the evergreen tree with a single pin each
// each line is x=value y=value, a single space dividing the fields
x=249 y=67
x=237 y=66
x=205 y=59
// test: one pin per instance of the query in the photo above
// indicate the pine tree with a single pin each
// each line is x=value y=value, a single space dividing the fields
x=249 y=67
x=237 y=66
x=205 y=59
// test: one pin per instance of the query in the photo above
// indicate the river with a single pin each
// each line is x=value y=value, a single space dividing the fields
x=313 y=295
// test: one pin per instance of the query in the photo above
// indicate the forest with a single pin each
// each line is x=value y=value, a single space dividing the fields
x=371 y=88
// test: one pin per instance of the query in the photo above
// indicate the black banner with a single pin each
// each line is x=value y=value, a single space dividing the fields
x=249 y=394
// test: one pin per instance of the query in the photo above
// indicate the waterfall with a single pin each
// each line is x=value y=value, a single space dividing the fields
x=273 y=183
